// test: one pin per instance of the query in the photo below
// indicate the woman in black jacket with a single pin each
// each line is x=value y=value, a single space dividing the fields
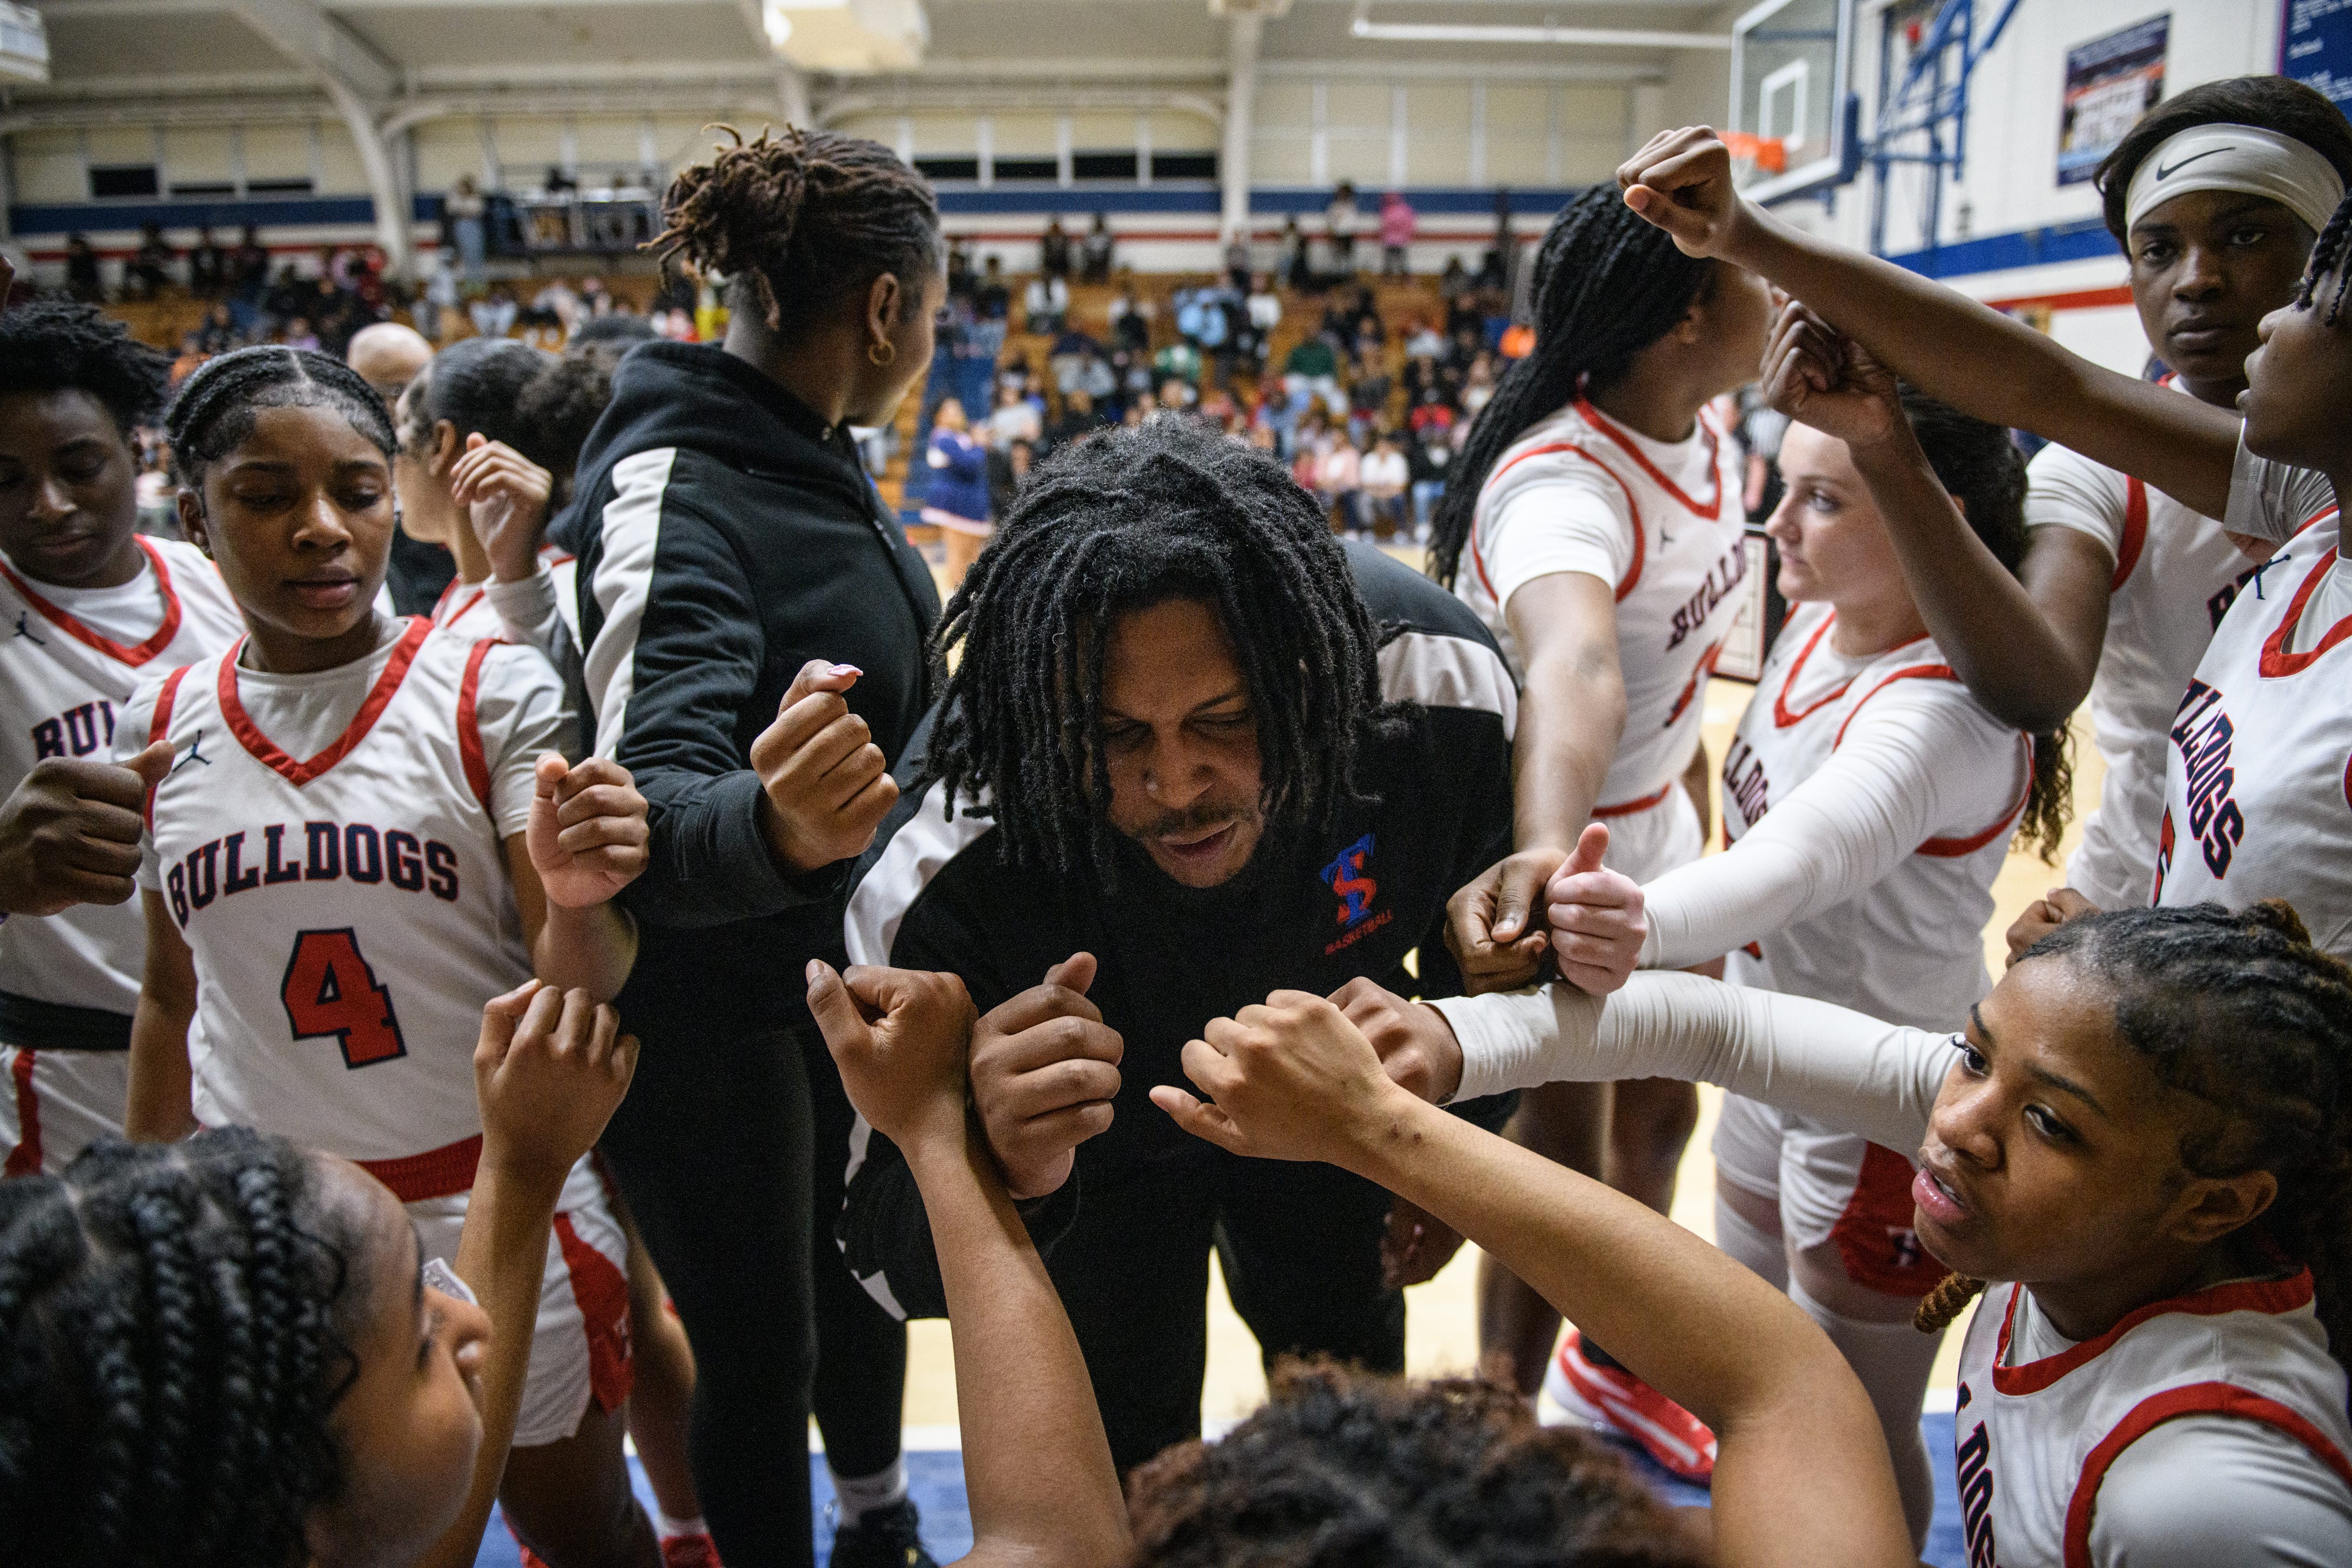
x=753 y=622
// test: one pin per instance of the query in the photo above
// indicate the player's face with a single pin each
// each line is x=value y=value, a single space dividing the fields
x=68 y=495
x=2054 y=1155
x=1834 y=543
x=1737 y=316
x=2206 y=268
x=2298 y=383
x=1179 y=740
x=427 y=510
x=298 y=518
x=410 y=1424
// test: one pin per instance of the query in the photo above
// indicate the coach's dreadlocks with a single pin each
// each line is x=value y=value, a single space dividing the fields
x=1119 y=523
x=1607 y=285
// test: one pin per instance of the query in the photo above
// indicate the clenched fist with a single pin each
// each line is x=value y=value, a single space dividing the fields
x=827 y=784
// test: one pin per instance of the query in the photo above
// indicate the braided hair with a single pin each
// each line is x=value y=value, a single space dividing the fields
x=216 y=406
x=169 y=1355
x=1978 y=466
x=1124 y=521
x=2237 y=1008
x=1608 y=283
x=1343 y=1467
x=51 y=346
x=2332 y=257
x=2275 y=103
x=800 y=218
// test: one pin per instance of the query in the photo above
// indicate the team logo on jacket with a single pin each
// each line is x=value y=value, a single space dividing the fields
x=1350 y=881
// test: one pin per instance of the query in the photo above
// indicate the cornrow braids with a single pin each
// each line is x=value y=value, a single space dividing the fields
x=2237 y=1008
x=1127 y=520
x=51 y=345
x=1343 y=1467
x=1978 y=466
x=477 y=385
x=2332 y=257
x=169 y=1355
x=799 y=218
x=216 y=406
x=1607 y=285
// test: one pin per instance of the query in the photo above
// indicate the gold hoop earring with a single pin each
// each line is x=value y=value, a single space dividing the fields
x=882 y=353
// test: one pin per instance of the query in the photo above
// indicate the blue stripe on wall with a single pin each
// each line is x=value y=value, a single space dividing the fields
x=68 y=217
x=2084 y=241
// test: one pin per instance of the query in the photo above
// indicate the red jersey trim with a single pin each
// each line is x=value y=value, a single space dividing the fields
x=469 y=724
x=1627 y=808
x=1641 y=546
x=2276 y=662
x=1714 y=509
x=602 y=1293
x=2191 y=1399
x=64 y=622
x=160 y=728
x=1953 y=849
x=266 y=751
x=2285 y=1294
x=2135 y=537
x=444 y=1172
x=1908 y=673
x=1698 y=677
x=451 y=616
x=1783 y=716
x=25 y=1159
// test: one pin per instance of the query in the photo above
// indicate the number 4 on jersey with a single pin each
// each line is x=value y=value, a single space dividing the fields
x=330 y=990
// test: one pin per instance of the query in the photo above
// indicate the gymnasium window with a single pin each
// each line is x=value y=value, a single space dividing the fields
x=1183 y=165
x=1103 y=165
x=949 y=168
x=299 y=186
x=1028 y=169
x=123 y=180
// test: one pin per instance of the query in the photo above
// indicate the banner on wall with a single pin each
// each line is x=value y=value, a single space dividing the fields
x=2110 y=83
x=2316 y=46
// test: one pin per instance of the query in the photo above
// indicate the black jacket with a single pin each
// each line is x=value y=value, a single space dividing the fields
x=726 y=537
x=1312 y=914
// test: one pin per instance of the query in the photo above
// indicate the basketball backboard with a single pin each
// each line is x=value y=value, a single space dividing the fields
x=1791 y=64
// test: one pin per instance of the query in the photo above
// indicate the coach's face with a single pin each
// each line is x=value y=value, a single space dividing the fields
x=1181 y=742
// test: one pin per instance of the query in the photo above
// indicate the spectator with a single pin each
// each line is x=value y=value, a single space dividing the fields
x=1213 y=333
x=1422 y=341
x=1130 y=320
x=992 y=300
x=1095 y=252
x=1396 y=234
x=957 y=500
x=1237 y=262
x=1178 y=395
x=1338 y=483
x=1297 y=271
x=1014 y=418
x=962 y=285
x=1384 y=475
x=1045 y=304
x=1312 y=369
x=1080 y=418
x=1180 y=361
x=494 y=313
x=1478 y=386
x=1071 y=346
x=150 y=267
x=81 y=270
x=1053 y=250
x=1340 y=221
x=1367 y=400
x=299 y=334
x=218 y=335
x=436 y=307
x=207 y=267
x=1008 y=470
x=1014 y=373
x=1426 y=464
x=465 y=210
x=1265 y=313
x=249 y=265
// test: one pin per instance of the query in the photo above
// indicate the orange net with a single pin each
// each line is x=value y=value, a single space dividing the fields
x=1768 y=153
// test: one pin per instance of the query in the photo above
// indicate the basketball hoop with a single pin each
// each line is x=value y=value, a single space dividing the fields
x=1753 y=155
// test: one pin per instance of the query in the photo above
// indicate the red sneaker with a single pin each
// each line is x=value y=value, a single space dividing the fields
x=1617 y=1401
x=688 y=1551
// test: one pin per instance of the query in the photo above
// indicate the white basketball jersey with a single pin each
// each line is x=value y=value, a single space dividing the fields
x=2176 y=573
x=63 y=685
x=349 y=914
x=464 y=609
x=2258 y=777
x=2036 y=1438
x=1908 y=948
x=1674 y=605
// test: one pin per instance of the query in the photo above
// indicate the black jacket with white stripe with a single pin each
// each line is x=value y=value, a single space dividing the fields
x=726 y=537
x=934 y=894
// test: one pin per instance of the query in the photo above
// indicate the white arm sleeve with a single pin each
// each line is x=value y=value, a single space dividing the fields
x=2066 y=489
x=1921 y=760
x=521 y=711
x=1854 y=1072
x=531 y=613
x=2271 y=500
x=1571 y=518
x=2212 y=1491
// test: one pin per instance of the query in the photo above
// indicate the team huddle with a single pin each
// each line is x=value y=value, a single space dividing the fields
x=613 y=1003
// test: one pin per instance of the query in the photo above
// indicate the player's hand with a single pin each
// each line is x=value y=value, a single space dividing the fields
x=587 y=830
x=1494 y=924
x=1820 y=377
x=1416 y=1044
x=2045 y=914
x=826 y=784
x=550 y=1067
x=1044 y=1071
x=1596 y=916
x=1415 y=1245
x=505 y=495
x=1292 y=1080
x=901 y=1039
x=1681 y=181
x=70 y=832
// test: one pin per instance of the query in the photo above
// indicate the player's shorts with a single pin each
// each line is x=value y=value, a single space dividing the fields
x=1647 y=843
x=1833 y=1191
x=56 y=1104
x=579 y=1352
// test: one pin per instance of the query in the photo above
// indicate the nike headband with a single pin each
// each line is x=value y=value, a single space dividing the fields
x=2242 y=158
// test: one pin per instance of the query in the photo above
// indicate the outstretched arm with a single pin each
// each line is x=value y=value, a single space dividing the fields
x=1801 y=1475
x=1974 y=358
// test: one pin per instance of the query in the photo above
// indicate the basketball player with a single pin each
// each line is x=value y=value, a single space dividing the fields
x=1869 y=802
x=1595 y=527
x=88 y=608
x=1193 y=748
x=368 y=829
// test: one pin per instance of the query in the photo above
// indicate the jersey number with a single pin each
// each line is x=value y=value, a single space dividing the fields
x=330 y=990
